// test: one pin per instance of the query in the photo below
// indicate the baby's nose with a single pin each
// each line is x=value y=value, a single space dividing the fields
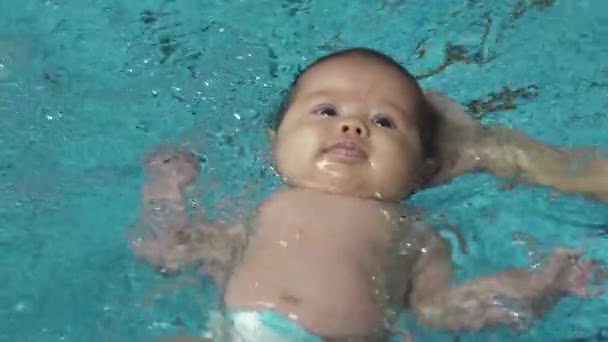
x=354 y=126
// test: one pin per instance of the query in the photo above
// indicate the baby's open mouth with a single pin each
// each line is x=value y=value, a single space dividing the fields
x=346 y=148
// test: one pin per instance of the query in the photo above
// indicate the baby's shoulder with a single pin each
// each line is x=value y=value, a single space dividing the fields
x=411 y=222
x=427 y=233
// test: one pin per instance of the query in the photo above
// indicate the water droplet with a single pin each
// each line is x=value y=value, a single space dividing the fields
x=20 y=307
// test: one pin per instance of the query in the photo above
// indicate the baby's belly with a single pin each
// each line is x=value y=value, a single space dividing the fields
x=329 y=294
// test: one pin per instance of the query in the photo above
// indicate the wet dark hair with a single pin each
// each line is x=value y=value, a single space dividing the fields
x=427 y=117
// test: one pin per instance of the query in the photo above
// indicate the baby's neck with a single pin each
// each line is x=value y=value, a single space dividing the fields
x=340 y=193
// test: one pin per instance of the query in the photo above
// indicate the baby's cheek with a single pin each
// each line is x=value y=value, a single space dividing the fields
x=297 y=145
x=403 y=168
x=286 y=164
x=402 y=153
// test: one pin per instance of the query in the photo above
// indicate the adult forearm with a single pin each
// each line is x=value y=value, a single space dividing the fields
x=511 y=154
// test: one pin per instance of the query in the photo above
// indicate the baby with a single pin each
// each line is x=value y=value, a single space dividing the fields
x=333 y=255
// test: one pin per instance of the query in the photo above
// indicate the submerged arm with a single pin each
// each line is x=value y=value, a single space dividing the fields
x=513 y=297
x=176 y=242
x=165 y=235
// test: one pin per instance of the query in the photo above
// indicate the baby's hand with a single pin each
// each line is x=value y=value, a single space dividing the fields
x=167 y=164
x=567 y=273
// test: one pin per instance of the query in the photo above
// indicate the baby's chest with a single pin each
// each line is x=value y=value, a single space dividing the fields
x=355 y=229
x=329 y=217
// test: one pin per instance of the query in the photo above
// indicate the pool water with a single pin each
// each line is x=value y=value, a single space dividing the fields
x=88 y=86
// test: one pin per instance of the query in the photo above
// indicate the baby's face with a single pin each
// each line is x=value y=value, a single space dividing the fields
x=351 y=129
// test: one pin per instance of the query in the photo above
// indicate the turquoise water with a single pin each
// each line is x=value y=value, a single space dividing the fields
x=87 y=87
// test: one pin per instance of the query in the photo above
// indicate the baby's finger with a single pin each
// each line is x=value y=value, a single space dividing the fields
x=597 y=292
x=600 y=276
x=404 y=336
x=159 y=153
x=586 y=293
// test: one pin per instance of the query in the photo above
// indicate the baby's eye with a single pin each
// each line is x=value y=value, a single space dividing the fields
x=383 y=121
x=326 y=111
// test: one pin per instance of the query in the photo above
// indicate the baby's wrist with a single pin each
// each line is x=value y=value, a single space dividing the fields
x=163 y=189
x=547 y=282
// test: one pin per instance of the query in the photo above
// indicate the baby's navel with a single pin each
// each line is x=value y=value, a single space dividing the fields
x=290 y=299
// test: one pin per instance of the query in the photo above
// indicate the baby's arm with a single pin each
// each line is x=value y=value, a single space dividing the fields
x=465 y=145
x=165 y=235
x=507 y=298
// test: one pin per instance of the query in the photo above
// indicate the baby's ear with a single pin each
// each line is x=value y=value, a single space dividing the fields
x=428 y=170
x=271 y=133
